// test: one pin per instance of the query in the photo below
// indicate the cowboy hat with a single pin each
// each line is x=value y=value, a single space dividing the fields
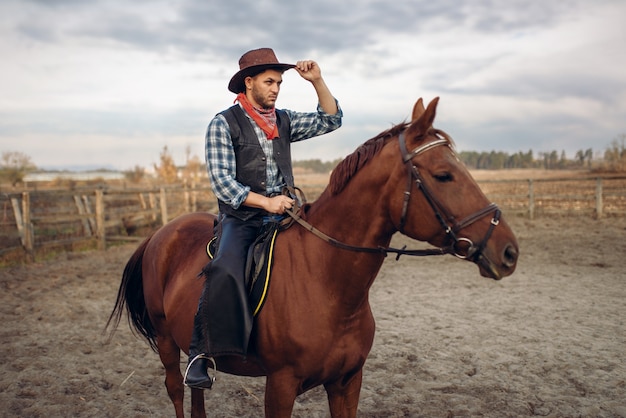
x=252 y=63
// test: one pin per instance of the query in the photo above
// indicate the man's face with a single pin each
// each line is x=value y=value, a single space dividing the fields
x=264 y=88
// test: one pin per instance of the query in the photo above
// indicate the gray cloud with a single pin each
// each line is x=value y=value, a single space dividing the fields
x=79 y=122
x=358 y=35
x=297 y=28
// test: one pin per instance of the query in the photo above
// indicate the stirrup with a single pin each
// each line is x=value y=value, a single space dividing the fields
x=202 y=356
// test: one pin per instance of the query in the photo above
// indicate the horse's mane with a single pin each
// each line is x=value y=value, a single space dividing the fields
x=350 y=165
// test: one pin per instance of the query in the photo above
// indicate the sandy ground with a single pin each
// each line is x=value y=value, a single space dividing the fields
x=548 y=341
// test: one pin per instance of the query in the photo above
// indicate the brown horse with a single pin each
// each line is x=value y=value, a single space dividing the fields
x=316 y=327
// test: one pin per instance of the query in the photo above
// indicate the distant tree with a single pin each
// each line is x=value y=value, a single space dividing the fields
x=554 y=159
x=520 y=160
x=550 y=160
x=135 y=175
x=615 y=155
x=515 y=161
x=584 y=156
x=469 y=158
x=589 y=156
x=317 y=165
x=166 y=170
x=563 y=160
x=14 y=166
x=483 y=161
x=527 y=159
x=193 y=168
x=497 y=160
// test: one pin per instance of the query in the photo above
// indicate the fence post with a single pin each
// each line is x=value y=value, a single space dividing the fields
x=19 y=222
x=194 y=197
x=186 y=197
x=142 y=201
x=152 y=200
x=29 y=237
x=163 y=206
x=599 y=203
x=100 y=228
x=81 y=211
x=92 y=221
x=531 y=199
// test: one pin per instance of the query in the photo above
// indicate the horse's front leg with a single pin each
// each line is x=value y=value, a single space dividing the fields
x=343 y=397
x=197 y=403
x=281 y=389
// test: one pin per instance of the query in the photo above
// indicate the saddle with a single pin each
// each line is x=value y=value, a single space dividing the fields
x=258 y=264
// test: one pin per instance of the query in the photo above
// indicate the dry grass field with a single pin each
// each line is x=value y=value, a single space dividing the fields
x=482 y=175
x=531 y=173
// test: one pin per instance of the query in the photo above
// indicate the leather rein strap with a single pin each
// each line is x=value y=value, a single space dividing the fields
x=377 y=250
x=473 y=252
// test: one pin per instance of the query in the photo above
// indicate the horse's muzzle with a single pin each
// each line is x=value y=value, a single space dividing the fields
x=504 y=267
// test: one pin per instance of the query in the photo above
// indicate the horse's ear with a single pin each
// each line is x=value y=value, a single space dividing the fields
x=418 y=109
x=424 y=121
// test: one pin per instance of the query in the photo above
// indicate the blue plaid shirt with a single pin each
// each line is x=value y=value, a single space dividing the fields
x=220 y=155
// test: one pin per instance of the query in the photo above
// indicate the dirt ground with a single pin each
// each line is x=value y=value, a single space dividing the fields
x=548 y=341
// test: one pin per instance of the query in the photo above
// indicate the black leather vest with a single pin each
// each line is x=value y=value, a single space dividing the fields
x=251 y=160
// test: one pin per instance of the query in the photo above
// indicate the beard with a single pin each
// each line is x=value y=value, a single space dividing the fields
x=266 y=102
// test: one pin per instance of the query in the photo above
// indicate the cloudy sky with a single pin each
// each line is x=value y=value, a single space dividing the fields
x=109 y=83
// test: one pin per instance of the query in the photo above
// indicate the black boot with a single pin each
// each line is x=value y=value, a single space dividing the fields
x=196 y=375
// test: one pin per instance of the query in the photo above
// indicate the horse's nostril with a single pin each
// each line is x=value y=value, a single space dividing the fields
x=509 y=255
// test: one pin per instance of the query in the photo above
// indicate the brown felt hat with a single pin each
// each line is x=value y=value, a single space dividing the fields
x=252 y=63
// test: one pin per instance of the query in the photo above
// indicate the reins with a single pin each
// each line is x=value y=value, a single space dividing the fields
x=377 y=250
x=473 y=252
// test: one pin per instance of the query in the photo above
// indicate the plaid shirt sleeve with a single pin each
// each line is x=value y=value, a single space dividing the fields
x=221 y=164
x=308 y=125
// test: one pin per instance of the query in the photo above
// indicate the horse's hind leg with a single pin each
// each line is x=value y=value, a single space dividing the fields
x=343 y=397
x=170 y=357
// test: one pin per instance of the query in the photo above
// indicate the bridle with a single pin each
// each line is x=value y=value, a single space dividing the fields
x=471 y=251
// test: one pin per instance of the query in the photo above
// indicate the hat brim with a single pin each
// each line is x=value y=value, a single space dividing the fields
x=236 y=84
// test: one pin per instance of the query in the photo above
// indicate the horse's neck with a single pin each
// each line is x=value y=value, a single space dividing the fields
x=354 y=217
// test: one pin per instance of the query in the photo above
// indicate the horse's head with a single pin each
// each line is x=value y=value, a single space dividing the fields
x=437 y=186
x=423 y=190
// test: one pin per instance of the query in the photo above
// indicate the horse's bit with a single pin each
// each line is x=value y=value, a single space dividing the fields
x=472 y=252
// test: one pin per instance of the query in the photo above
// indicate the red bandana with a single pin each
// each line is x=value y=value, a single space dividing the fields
x=265 y=118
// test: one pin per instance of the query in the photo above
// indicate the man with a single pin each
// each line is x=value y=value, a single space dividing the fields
x=249 y=163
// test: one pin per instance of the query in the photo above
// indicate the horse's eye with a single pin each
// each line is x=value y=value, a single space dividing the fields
x=443 y=177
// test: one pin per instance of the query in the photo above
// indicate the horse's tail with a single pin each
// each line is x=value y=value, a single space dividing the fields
x=130 y=296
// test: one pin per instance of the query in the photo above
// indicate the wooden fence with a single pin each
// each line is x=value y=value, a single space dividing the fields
x=592 y=197
x=40 y=219
x=33 y=220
